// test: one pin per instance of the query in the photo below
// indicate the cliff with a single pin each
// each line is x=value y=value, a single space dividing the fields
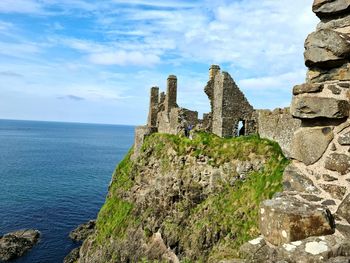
x=185 y=200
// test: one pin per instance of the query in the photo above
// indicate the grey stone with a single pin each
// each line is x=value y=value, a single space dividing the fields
x=83 y=231
x=141 y=132
x=328 y=202
x=316 y=75
x=344 y=85
x=287 y=219
x=310 y=250
x=229 y=106
x=339 y=260
x=344 y=209
x=334 y=89
x=326 y=48
x=307 y=107
x=153 y=107
x=344 y=139
x=335 y=191
x=15 y=244
x=171 y=94
x=307 y=88
x=344 y=229
x=328 y=178
x=73 y=256
x=256 y=250
x=330 y=8
x=311 y=198
x=295 y=180
x=309 y=144
x=277 y=125
x=338 y=162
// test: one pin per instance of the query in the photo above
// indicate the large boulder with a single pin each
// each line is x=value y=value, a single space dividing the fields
x=309 y=144
x=309 y=107
x=338 y=162
x=15 y=244
x=286 y=219
x=326 y=48
x=330 y=8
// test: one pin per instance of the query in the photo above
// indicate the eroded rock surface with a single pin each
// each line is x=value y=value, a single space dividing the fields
x=287 y=219
x=15 y=244
x=83 y=231
x=309 y=144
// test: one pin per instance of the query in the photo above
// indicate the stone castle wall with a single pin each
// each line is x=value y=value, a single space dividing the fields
x=277 y=125
x=229 y=107
x=310 y=220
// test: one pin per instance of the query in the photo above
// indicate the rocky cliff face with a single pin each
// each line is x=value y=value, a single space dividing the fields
x=310 y=220
x=185 y=200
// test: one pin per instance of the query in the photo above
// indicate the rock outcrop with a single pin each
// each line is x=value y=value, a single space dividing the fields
x=185 y=200
x=310 y=220
x=83 y=231
x=15 y=244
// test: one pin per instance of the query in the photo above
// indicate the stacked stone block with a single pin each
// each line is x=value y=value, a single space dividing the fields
x=316 y=197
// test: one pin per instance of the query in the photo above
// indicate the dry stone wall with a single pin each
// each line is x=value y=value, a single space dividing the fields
x=310 y=220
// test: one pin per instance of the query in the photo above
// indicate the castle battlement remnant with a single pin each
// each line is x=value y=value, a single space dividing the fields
x=229 y=106
x=230 y=113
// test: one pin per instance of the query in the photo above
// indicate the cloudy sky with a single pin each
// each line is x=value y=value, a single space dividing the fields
x=94 y=61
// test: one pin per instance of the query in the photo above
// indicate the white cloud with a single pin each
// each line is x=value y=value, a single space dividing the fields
x=20 y=6
x=124 y=58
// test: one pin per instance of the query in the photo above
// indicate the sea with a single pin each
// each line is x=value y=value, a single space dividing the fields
x=55 y=176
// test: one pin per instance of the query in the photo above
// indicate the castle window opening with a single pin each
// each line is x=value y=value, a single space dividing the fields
x=241 y=128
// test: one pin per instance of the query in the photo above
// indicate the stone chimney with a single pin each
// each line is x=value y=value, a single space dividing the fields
x=153 y=107
x=171 y=93
x=213 y=71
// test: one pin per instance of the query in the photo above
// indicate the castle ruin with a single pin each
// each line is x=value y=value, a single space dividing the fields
x=231 y=114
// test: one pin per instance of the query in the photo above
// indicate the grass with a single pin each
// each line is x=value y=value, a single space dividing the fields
x=231 y=214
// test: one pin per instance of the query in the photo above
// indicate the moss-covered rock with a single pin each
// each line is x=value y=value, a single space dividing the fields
x=193 y=200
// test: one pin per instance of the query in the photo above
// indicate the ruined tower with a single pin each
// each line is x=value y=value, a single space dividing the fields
x=171 y=93
x=153 y=107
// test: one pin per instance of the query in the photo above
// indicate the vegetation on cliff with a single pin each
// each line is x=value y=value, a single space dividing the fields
x=201 y=195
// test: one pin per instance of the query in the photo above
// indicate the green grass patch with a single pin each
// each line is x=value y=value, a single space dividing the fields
x=113 y=218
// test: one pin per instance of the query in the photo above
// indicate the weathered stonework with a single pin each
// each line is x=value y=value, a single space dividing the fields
x=317 y=182
x=277 y=125
x=286 y=219
x=171 y=93
x=153 y=107
x=228 y=104
x=309 y=144
x=307 y=107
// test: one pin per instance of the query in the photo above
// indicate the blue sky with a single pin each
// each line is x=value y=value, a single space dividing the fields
x=95 y=61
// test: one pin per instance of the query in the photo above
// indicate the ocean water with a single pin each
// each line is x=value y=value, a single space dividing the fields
x=53 y=177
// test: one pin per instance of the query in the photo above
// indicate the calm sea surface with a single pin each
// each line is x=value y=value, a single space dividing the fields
x=53 y=177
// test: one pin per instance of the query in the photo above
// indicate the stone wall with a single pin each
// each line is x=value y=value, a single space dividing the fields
x=310 y=220
x=277 y=125
x=229 y=106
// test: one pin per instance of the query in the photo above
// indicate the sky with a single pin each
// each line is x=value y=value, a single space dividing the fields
x=95 y=61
